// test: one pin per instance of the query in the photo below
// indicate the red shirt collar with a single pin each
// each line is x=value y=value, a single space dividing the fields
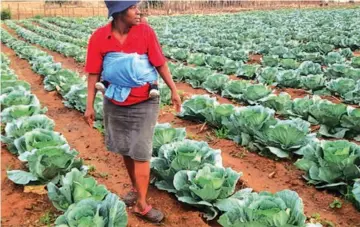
x=108 y=29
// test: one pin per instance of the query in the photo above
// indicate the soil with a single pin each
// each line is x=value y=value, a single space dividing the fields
x=259 y=173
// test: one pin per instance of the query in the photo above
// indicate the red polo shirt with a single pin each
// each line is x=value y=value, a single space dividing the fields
x=141 y=39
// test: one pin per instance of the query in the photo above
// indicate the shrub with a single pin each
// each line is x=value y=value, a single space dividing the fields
x=5 y=14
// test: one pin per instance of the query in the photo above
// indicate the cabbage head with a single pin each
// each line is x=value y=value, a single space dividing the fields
x=251 y=209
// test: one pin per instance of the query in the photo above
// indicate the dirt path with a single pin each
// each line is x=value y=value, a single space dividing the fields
x=256 y=169
x=18 y=207
x=90 y=144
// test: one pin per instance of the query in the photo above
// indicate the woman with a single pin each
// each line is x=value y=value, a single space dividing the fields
x=129 y=114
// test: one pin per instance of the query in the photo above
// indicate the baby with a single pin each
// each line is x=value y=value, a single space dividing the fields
x=154 y=89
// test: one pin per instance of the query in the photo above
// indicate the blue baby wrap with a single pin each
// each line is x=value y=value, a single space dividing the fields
x=125 y=71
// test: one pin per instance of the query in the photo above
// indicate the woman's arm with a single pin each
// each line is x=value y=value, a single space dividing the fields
x=165 y=74
x=90 y=113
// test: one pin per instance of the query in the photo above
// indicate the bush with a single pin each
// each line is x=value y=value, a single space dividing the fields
x=38 y=16
x=5 y=14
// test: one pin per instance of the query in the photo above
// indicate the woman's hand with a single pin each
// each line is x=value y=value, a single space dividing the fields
x=90 y=116
x=176 y=101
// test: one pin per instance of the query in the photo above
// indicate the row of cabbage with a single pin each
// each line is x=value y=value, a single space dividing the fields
x=300 y=69
x=67 y=49
x=340 y=79
x=54 y=34
x=328 y=164
x=292 y=29
x=307 y=76
x=339 y=123
x=188 y=168
x=30 y=135
x=336 y=120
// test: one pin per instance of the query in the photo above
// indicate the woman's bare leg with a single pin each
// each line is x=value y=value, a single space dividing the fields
x=142 y=178
x=130 y=167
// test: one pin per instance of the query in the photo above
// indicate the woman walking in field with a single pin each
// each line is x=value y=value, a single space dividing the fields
x=128 y=56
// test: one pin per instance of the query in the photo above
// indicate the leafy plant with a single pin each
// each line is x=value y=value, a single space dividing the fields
x=330 y=164
x=46 y=164
x=89 y=212
x=335 y=204
x=215 y=83
x=73 y=188
x=36 y=139
x=247 y=208
x=248 y=71
x=165 y=134
x=205 y=186
x=181 y=155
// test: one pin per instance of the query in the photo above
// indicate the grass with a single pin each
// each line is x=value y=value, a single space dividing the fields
x=91 y=168
x=104 y=175
x=221 y=133
x=316 y=217
x=47 y=218
x=336 y=204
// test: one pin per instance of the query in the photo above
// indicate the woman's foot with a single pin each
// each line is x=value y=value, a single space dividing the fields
x=149 y=213
x=130 y=198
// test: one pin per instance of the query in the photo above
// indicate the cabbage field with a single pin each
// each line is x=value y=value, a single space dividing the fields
x=268 y=134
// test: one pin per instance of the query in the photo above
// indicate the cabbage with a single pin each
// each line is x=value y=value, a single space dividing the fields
x=215 y=62
x=197 y=107
x=355 y=62
x=247 y=71
x=309 y=67
x=181 y=155
x=38 y=138
x=288 y=78
x=15 y=112
x=205 y=186
x=268 y=75
x=313 y=82
x=165 y=134
x=46 y=164
x=330 y=164
x=197 y=59
x=280 y=103
x=247 y=208
x=89 y=212
x=234 y=89
x=198 y=76
x=215 y=83
x=73 y=188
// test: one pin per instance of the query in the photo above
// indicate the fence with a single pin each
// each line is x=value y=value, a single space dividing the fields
x=22 y=10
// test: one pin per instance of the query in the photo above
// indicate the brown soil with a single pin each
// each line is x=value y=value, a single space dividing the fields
x=90 y=144
x=18 y=207
x=259 y=173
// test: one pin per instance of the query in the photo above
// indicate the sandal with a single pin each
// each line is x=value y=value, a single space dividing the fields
x=130 y=198
x=151 y=214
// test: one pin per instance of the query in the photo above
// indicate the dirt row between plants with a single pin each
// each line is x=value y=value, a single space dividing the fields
x=259 y=173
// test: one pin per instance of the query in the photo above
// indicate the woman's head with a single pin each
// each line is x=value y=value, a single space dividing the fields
x=126 y=11
x=129 y=16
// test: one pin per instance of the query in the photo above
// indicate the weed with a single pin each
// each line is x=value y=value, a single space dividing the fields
x=91 y=168
x=47 y=218
x=336 y=204
x=9 y=167
x=103 y=175
x=221 y=133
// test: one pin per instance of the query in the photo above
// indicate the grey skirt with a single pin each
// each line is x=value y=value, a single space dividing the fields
x=129 y=130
